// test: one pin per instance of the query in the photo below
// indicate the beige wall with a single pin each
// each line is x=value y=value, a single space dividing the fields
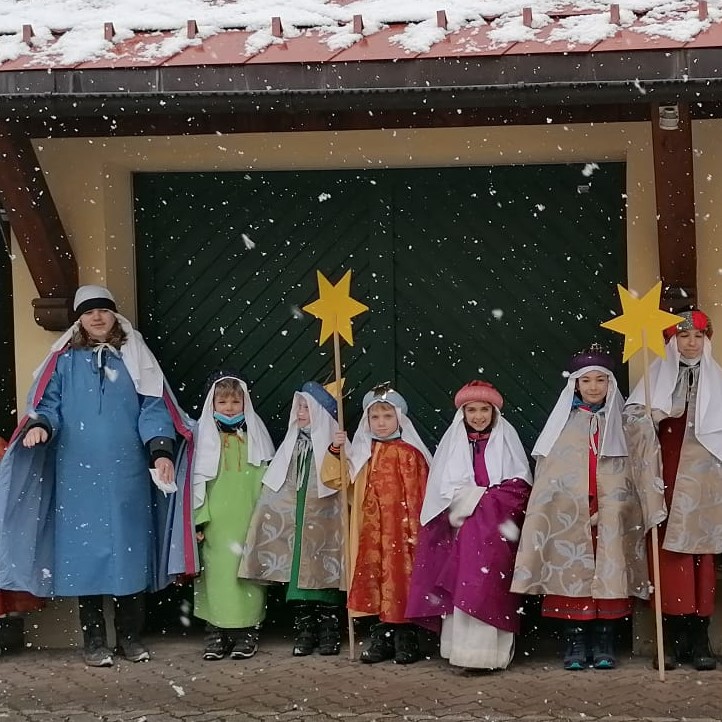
x=90 y=180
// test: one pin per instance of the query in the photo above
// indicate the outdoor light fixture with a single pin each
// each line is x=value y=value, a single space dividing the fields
x=669 y=117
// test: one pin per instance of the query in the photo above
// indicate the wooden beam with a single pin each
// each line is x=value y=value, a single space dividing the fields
x=38 y=229
x=674 y=189
x=281 y=121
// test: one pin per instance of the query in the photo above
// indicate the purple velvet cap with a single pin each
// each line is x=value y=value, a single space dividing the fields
x=595 y=355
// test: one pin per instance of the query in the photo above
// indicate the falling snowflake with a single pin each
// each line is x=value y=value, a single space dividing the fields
x=247 y=242
x=509 y=530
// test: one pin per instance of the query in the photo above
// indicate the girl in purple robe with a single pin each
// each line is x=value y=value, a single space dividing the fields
x=478 y=487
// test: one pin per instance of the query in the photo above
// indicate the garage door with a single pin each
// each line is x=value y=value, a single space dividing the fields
x=498 y=272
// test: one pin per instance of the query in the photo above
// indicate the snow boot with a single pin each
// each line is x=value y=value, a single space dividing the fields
x=217 y=643
x=329 y=630
x=245 y=642
x=703 y=660
x=676 y=642
x=575 y=654
x=304 y=629
x=603 y=656
x=382 y=644
x=406 y=644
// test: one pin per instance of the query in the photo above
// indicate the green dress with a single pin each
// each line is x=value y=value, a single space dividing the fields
x=220 y=597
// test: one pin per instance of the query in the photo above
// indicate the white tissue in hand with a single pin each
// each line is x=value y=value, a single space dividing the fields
x=165 y=486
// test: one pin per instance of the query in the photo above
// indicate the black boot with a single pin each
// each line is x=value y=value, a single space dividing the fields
x=406 y=644
x=217 y=643
x=304 y=629
x=245 y=642
x=575 y=653
x=675 y=642
x=129 y=620
x=382 y=644
x=329 y=630
x=702 y=658
x=95 y=641
x=603 y=656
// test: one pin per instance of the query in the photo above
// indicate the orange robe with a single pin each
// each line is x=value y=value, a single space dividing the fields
x=16 y=601
x=387 y=497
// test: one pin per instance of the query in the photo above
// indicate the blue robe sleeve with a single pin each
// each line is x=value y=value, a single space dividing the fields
x=154 y=419
x=49 y=408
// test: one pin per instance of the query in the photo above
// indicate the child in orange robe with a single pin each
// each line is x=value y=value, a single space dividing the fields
x=389 y=465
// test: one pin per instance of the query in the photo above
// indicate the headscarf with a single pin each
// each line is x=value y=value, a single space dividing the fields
x=360 y=450
x=323 y=427
x=664 y=374
x=452 y=466
x=612 y=443
x=138 y=359
x=208 y=442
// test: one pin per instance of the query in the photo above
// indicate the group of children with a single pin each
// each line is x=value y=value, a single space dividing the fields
x=451 y=542
x=448 y=543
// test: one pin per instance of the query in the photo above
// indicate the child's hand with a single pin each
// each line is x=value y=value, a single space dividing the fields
x=200 y=536
x=36 y=435
x=339 y=439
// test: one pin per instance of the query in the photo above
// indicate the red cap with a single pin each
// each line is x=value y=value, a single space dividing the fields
x=693 y=321
x=478 y=391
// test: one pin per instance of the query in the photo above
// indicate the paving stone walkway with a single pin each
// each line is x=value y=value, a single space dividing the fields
x=45 y=686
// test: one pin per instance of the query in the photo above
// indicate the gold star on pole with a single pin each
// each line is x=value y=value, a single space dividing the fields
x=335 y=307
x=642 y=321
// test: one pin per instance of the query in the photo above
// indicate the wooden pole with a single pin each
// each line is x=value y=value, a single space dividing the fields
x=655 y=534
x=344 y=488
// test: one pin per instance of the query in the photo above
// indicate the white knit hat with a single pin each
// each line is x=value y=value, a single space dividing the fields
x=90 y=297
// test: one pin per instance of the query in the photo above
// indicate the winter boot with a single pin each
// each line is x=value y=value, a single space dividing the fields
x=382 y=644
x=329 y=630
x=217 y=643
x=245 y=643
x=406 y=644
x=129 y=619
x=702 y=658
x=95 y=643
x=676 y=642
x=603 y=656
x=575 y=654
x=304 y=629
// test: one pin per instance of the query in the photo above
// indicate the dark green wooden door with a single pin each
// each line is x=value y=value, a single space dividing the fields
x=495 y=272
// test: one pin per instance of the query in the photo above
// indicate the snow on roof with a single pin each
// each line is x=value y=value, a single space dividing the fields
x=65 y=33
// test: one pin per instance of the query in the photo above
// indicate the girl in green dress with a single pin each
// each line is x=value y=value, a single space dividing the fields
x=232 y=447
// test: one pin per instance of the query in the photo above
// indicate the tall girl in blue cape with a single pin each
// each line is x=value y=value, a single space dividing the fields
x=79 y=515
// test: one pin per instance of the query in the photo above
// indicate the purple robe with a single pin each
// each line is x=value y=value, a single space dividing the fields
x=471 y=568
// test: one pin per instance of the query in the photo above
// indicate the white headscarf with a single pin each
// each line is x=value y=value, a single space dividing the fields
x=360 y=450
x=663 y=374
x=453 y=466
x=138 y=359
x=613 y=442
x=208 y=442
x=323 y=427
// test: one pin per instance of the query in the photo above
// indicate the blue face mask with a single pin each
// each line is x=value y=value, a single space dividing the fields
x=229 y=420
